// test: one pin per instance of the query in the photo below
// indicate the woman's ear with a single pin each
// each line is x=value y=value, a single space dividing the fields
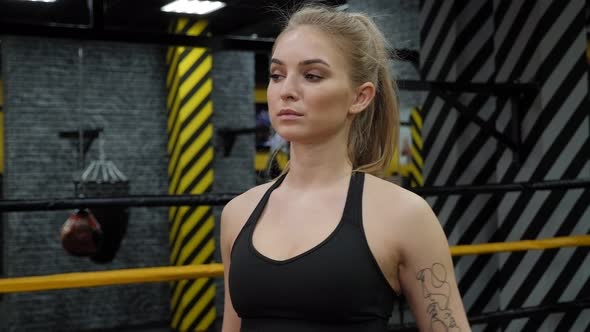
x=364 y=94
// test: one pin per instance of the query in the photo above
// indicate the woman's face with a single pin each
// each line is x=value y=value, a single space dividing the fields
x=309 y=92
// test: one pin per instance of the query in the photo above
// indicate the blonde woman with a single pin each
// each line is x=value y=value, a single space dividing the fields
x=329 y=246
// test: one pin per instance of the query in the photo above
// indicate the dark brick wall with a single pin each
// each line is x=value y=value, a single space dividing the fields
x=399 y=22
x=233 y=107
x=122 y=91
x=233 y=102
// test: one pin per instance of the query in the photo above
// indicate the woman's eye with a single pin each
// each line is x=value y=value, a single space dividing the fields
x=312 y=77
x=274 y=77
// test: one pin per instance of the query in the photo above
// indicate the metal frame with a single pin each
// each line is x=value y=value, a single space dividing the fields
x=515 y=92
x=83 y=137
x=502 y=187
x=228 y=136
x=98 y=32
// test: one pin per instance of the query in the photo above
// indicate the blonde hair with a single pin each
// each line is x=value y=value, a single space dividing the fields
x=373 y=133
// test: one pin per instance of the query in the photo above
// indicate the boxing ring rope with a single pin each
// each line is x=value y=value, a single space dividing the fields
x=170 y=273
x=108 y=278
x=222 y=198
x=497 y=247
x=509 y=314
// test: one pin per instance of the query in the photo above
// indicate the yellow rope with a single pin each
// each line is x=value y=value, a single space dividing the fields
x=169 y=273
x=105 y=278
x=490 y=248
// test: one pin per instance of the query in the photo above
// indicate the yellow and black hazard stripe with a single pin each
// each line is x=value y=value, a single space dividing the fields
x=417 y=162
x=190 y=171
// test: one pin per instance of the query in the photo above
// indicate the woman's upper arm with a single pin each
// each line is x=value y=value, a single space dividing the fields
x=427 y=275
x=228 y=232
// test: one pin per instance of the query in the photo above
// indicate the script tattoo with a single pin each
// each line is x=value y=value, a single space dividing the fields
x=436 y=290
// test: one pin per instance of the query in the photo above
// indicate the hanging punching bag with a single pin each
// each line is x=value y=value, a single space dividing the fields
x=81 y=234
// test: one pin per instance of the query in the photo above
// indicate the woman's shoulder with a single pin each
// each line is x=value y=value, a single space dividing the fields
x=392 y=192
x=236 y=212
x=239 y=208
x=408 y=208
x=250 y=196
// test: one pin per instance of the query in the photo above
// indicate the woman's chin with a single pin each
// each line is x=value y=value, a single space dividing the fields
x=305 y=137
x=292 y=135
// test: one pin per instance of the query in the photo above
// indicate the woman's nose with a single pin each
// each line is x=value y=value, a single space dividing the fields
x=289 y=89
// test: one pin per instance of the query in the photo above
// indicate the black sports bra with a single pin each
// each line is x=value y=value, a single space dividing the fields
x=335 y=286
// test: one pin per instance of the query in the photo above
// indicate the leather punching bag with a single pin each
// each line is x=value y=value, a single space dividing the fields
x=81 y=234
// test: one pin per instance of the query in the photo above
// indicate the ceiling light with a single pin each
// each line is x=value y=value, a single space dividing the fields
x=193 y=6
x=40 y=0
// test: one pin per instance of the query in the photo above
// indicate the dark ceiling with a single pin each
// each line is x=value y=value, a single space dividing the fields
x=100 y=19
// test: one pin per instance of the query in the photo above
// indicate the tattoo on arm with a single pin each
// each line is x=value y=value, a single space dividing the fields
x=436 y=291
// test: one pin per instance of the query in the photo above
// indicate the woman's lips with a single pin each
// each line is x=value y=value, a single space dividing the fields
x=288 y=111
x=289 y=114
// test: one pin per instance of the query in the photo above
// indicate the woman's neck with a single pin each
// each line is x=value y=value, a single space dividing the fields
x=320 y=164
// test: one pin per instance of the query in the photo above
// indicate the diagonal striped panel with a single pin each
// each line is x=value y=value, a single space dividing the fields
x=190 y=150
x=588 y=31
x=528 y=41
x=453 y=146
x=555 y=126
x=417 y=161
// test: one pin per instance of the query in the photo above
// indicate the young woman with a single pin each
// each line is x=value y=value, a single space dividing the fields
x=328 y=246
